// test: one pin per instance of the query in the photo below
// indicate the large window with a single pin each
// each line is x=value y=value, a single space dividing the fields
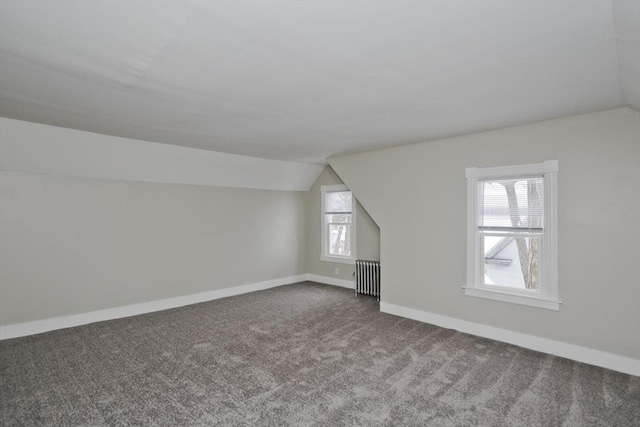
x=338 y=224
x=512 y=237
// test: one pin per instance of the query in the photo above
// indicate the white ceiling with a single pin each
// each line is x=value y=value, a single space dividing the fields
x=305 y=80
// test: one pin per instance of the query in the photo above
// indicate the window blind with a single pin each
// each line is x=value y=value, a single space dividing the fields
x=511 y=204
x=338 y=202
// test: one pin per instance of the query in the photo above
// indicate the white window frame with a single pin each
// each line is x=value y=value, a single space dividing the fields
x=324 y=251
x=546 y=296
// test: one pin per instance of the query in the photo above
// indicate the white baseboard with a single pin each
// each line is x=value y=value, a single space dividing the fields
x=331 y=281
x=590 y=356
x=40 y=326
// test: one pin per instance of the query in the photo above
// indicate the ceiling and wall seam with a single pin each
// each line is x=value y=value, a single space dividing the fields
x=51 y=150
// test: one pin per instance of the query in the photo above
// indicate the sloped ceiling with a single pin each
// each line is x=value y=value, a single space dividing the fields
x=302 y=81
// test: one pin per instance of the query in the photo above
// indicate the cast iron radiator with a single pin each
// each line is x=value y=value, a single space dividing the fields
x=368 y=278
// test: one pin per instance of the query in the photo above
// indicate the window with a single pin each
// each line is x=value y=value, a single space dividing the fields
x=512 y=235
x=338 y=224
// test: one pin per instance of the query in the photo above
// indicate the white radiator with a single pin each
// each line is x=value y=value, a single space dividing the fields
x=368 y=278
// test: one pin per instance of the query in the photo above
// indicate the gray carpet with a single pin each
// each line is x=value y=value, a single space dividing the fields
x=304 y=354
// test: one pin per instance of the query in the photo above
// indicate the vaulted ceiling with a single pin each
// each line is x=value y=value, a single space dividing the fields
x=305 y=80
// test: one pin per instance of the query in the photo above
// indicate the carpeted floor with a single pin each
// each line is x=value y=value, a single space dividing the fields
x=304 y=354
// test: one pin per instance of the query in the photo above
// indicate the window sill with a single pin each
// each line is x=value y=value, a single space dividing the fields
x=337 y=259
x=532 y=301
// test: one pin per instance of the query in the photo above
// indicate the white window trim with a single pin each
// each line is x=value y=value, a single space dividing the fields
x=324 y=189
x=548 y=296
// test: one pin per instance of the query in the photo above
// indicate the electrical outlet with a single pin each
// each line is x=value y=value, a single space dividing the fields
x=337 y=271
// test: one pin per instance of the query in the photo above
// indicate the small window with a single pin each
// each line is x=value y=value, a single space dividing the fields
x=338 y=224
x=512 y=237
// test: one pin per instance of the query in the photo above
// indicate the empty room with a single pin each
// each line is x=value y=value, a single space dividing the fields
x=320 y=213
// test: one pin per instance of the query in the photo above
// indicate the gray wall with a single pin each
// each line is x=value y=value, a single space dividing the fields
x=73 y=245
x=417 y=194
x=367 y=235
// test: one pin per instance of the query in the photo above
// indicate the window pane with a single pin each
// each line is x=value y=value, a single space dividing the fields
x=339 y=201
x=341 y=218
x=511 y=203
x=512 y=261
x=339 y=239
